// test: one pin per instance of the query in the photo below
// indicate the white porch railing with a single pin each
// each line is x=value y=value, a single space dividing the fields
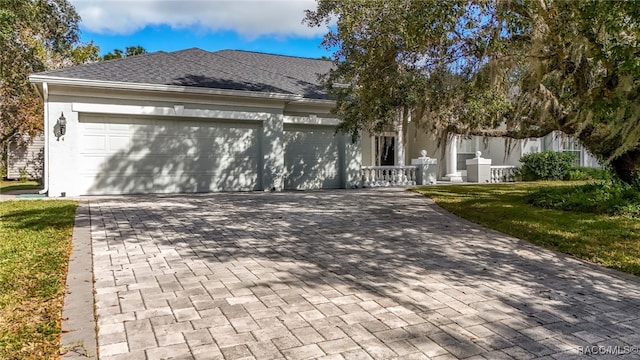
x=377 y=176
x=503 y=173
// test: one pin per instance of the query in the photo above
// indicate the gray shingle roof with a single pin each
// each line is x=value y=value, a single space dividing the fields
x=226 y=69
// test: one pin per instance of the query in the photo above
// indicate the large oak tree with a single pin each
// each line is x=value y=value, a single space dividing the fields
x=517 y=68
x=35 y=35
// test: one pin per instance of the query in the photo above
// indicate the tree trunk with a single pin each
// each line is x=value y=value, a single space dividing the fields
x=627 y=166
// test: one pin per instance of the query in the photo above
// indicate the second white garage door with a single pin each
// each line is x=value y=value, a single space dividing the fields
x=143 y=155
x=312 y=158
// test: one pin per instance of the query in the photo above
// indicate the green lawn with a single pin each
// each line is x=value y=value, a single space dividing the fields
x=612 y=241
x=6 y=186
x=35 y=242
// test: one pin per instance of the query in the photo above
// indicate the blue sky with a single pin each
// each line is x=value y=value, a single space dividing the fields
x=271 y=26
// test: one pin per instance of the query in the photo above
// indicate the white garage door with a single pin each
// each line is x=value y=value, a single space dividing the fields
x=142 y=155
x=312 y=158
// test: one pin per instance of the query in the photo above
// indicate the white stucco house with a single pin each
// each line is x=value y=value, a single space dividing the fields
x=451 y=156
x=192 y=121
x=199 y=121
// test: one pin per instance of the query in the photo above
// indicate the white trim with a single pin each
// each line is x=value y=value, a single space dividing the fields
x=399 y=142
x=155 y=87
x=373 y=145
x=116 y=95
x=45 y=175
x=304 y=100
x=310 y=120
x=453 y=175
x=167 y=111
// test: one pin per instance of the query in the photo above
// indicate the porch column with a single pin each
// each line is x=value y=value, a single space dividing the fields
x=399 y=145
x=453 y=174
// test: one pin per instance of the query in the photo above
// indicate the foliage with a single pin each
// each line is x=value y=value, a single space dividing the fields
x=36 y=166
x=35 y=35
x=128 y=52
x=34 y=250
x=588 y=173
x=23 y=174
x=518 y=68
x=582 y=65
x=369 y=81
x=547 y=165
x=605 y=197
x=612 y=241
x=85 y=53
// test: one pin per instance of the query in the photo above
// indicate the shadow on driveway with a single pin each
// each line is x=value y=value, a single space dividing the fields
x=371 y=273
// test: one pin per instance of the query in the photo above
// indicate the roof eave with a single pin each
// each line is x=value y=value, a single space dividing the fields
x=166 y=88
x=305 y=100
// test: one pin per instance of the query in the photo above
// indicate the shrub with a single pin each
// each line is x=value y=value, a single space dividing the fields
x=23 y=174
x=37 y=166
x=548 y=165
x=587 y=173
x=610 y=197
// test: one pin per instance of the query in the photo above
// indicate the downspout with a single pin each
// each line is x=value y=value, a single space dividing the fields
x=45 y=98
x=6 y=153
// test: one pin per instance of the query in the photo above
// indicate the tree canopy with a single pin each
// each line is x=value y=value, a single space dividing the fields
x=519 y=68
x=34 y=35
x=128 y=51
x=85 y=53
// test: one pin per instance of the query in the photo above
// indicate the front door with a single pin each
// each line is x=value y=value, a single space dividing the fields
x=385 y=150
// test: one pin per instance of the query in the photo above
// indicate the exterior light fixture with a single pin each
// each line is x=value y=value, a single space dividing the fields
x=62 y=123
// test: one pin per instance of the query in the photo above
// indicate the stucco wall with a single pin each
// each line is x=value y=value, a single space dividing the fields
x=64 y=150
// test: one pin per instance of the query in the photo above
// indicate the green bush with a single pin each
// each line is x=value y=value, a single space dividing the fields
x=609 y=197
x=23 y=174
x=587 y=173
x=548 y=165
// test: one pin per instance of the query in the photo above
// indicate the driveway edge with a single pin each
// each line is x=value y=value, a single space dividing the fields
x=78 y=340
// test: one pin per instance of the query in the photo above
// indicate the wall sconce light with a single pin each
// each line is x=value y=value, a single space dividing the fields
x=62 y=123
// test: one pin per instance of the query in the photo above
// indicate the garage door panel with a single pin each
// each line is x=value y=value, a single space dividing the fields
x=96 y=185
x=312 y=158
x=186 y=162
x=121 y=128
x=199 y=182
x=93 y=143
x=167 y=156
x=238 y=139
x=96 y=127
x=118 y=143
x=90 y=164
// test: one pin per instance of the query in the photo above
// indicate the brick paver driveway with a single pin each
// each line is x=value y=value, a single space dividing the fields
x=340 y=274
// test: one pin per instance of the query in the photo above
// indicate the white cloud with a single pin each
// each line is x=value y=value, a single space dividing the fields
x=249 y=18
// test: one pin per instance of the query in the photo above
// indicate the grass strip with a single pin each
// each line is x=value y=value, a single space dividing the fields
x=612 y=241
x=7 y=186
x=35 y=243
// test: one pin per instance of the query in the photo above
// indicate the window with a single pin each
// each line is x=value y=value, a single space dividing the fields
x=571 y=145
